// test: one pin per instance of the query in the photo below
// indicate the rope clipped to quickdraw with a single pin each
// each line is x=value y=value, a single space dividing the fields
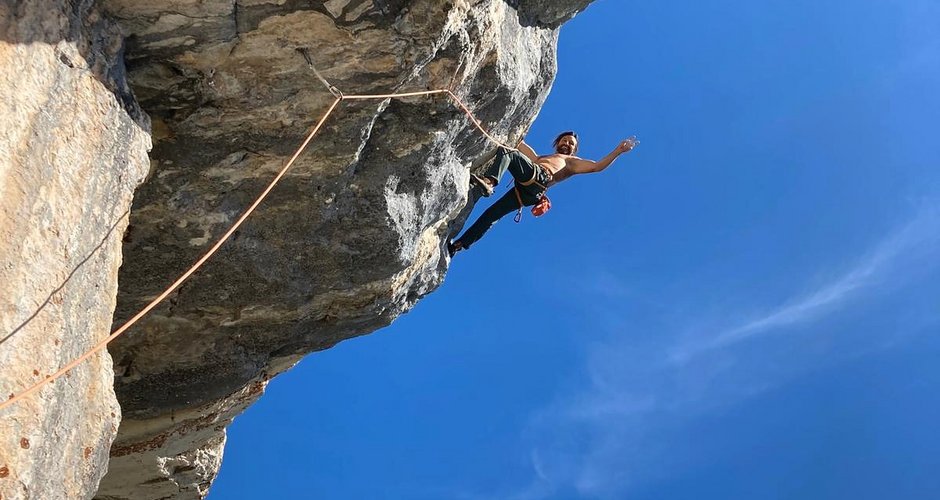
x=304 y=51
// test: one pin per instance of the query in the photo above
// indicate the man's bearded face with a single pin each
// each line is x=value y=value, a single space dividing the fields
x=567 y=145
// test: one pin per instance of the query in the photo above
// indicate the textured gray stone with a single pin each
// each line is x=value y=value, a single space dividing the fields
x=350 y=239
x=73 y=145
x=548 y=13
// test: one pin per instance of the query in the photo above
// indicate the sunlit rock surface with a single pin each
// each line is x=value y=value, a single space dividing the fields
x=73 y=146
x=350 y=239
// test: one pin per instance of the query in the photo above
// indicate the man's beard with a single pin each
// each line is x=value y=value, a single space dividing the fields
x=565 y=150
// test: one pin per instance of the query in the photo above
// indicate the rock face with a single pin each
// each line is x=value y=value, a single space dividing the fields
x=350 y=239
x=73 y=146
x=547 y=13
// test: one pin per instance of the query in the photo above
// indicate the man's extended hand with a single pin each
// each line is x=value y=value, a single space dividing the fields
x=628 y=144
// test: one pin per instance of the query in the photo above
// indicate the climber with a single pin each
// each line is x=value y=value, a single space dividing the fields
x=533 y=175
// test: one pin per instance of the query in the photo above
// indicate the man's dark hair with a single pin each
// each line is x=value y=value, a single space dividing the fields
x=558 y=139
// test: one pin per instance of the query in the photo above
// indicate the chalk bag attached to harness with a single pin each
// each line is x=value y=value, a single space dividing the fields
x=538 y=210
x=544 y=204
x=542 y=207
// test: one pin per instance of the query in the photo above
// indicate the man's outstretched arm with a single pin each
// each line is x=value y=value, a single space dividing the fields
x=580 y=166
x=527 y=150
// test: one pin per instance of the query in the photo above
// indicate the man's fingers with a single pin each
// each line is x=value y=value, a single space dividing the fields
x=629 y=144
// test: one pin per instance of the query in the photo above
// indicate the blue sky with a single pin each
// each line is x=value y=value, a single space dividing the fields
x=744 y=307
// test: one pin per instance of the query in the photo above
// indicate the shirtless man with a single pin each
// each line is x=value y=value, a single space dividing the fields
x=532 y=174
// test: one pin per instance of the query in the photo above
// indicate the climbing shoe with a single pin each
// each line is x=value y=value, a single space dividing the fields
x=454 y=247
x=482 y=183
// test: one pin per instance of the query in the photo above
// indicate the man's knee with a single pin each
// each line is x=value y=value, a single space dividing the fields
x=521 y=169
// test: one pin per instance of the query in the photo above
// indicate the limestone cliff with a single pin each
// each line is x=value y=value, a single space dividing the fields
x=73 y=146
x=348 y=241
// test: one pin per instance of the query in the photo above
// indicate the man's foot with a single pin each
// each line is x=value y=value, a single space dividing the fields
x=454 y=247
x=485 y=183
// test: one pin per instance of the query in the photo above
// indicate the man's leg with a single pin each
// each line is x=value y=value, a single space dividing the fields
x=504 y=205
x=515 y=162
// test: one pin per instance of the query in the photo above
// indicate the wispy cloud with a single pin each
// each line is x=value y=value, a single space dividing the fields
x=913 y=241
x=613 y=430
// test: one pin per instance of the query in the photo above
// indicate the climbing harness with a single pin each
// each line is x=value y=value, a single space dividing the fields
x=543 y=205
x=338 y=94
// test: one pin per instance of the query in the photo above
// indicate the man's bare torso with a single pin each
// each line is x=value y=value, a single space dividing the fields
x=557 y=165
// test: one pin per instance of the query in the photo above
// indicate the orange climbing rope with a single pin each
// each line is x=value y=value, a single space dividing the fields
x=429 y=92
x=13 y=398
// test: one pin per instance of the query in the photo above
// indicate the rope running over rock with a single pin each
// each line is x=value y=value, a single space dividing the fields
x=143 y=312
